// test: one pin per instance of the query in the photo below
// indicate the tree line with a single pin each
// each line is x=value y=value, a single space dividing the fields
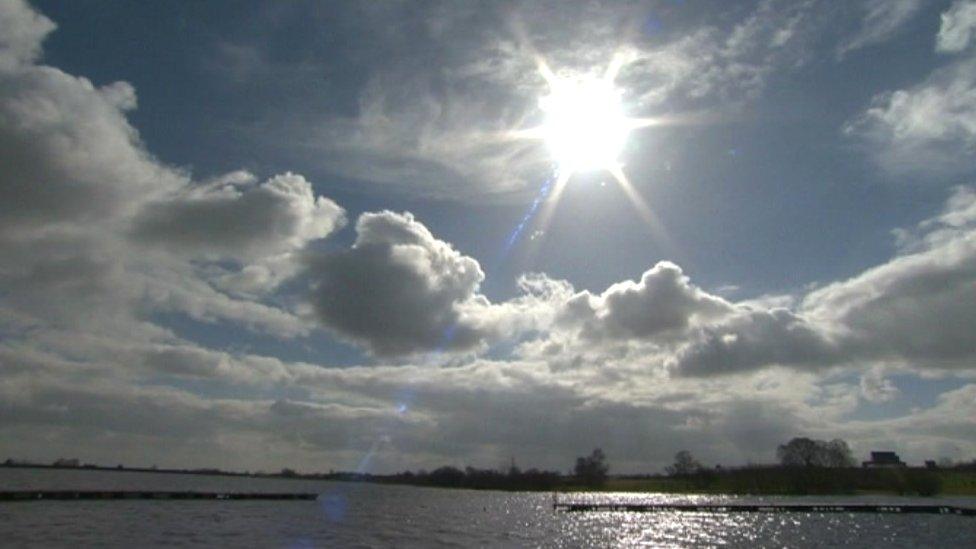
x=806 y=466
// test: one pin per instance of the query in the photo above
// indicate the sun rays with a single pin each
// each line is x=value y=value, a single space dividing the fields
x=585 y=129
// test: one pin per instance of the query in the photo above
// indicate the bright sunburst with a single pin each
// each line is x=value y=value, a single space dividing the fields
x=585 y=128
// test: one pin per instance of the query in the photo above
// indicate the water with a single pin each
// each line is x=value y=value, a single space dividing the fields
x=365 y=515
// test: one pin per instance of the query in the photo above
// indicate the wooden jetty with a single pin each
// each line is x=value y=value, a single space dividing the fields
x=73 y=495
x=760 y=508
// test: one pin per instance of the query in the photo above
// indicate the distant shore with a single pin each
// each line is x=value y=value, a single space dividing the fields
x=740 y=481
x=776 y=482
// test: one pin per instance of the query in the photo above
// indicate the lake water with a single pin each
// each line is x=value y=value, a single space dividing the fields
x=367 y=515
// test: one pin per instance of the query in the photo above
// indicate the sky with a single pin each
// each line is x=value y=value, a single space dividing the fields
x=256 y=235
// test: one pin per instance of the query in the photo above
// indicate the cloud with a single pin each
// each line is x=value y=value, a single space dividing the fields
x=939 y=430
x=223 y=220
x=751 y=340
x=930 y=127
x=958 y=27
x=667 y=325
x=23 y=31
x=437 y=122
x=882 y=20
x=259 y=225
x=492 y=410
x=713 y=65
x=480 y=413
x=877 y=388
x=417 y=139
x=663 y=300
x=434 y=121
x=69 y=154
x=399 y=290
x=914 y=308
x=102 y=239
x=97 y=234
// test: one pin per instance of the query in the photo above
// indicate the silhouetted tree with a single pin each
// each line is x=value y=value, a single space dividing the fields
x=684 y=464
x=447 y=476
x=592 y=469
x=800 y=451
x=472 y=477
x=806 y=452
x=838 y=454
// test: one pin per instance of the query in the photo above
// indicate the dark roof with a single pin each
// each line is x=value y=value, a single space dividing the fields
x=885 y=457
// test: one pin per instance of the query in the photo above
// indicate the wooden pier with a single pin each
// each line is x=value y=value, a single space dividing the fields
x=74 y=495
x=760 y=508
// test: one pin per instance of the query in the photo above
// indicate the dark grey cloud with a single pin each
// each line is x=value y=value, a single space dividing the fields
x=751 y=340
x=243 y=220
x=68 y=152
x=399 y=290
x=160 y=413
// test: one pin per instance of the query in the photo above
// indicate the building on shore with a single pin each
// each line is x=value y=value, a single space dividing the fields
x=883 y=459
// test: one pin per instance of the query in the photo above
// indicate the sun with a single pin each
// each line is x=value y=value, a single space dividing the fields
x=584 y=127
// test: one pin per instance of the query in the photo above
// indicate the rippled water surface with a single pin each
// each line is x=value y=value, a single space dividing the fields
x=364 y=515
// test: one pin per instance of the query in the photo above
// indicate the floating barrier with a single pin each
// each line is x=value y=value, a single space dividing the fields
x=72 y=495
x=575 y=507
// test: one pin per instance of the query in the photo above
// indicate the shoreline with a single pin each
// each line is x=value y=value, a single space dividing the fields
x=951 y=483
